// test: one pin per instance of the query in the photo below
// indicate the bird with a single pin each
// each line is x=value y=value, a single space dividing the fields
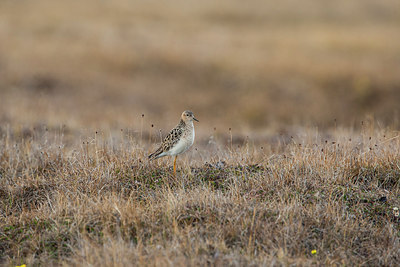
x=179 y=139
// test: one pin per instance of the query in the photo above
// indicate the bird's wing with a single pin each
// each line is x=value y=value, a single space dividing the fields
x=172 y=138
x=168 y=142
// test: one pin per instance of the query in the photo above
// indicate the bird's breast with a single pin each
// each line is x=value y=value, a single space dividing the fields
x=185 y=142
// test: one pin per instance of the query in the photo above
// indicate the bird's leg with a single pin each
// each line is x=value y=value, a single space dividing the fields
x=175 y=165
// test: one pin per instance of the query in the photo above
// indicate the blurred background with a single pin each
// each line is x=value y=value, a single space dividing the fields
x=254 y=66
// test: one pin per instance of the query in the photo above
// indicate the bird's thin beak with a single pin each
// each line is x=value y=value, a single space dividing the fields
x=195 y=119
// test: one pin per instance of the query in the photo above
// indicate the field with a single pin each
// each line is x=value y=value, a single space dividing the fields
x=102 y=202
x=247 y=66
x=297 y=153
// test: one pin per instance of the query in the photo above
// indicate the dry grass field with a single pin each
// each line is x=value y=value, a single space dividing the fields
x=101 y=203
x=297 y=154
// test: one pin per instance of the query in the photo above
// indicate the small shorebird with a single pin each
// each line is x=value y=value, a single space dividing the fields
x=178 y=140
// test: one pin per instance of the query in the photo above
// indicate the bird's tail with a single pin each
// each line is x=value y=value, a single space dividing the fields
x=156 y=154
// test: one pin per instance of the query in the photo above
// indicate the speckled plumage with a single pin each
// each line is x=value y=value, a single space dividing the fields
x=179 y=139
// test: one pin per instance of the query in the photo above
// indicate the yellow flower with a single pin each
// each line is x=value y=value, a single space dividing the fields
x=314 y=251
x=23 y=265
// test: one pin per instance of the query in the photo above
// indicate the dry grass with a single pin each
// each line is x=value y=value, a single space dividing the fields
x=100 y=202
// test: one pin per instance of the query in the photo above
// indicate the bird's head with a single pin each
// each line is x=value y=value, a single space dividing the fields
x=188 y=116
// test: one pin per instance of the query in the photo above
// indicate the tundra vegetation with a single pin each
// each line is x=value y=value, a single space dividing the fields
x=296 y=159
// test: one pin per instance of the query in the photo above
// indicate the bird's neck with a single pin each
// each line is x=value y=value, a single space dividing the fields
x=188 y=124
